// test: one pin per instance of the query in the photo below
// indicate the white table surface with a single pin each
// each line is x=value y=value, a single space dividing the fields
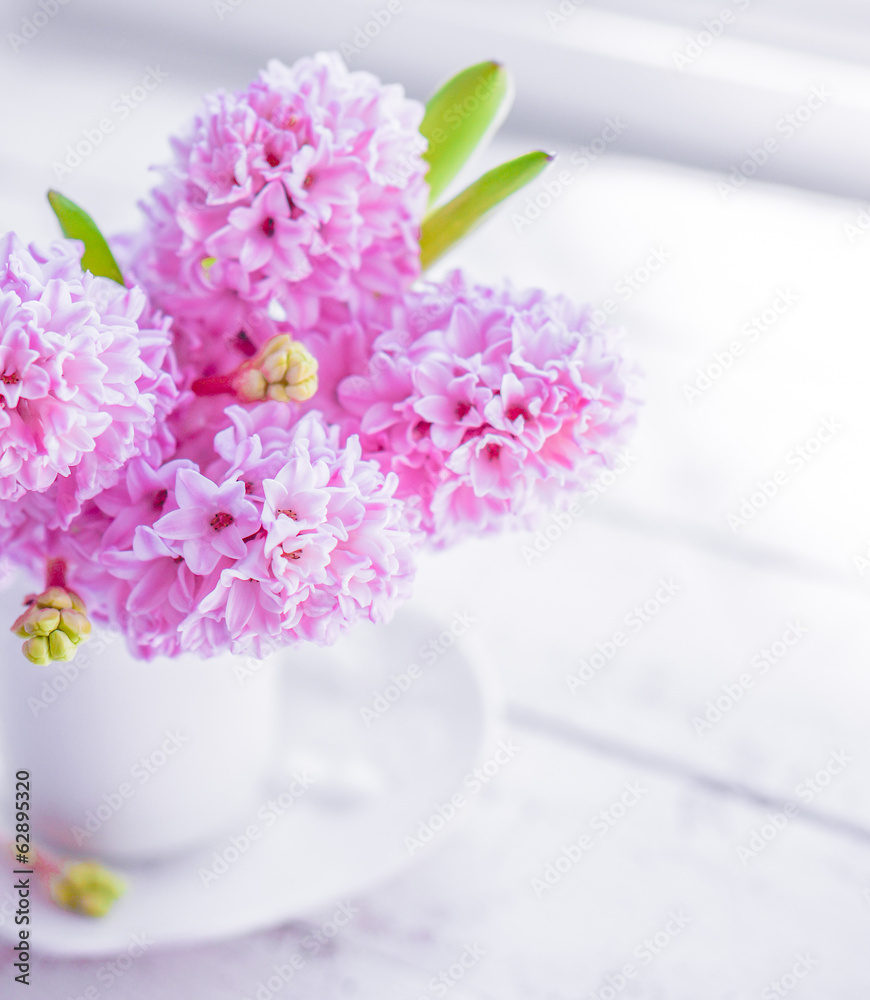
x=747 y=921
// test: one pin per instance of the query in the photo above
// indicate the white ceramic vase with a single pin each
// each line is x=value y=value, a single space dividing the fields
x=133 y=760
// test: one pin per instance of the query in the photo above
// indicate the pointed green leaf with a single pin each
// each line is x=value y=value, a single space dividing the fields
x=459 y=116
x=466 y=211
x=78 y=225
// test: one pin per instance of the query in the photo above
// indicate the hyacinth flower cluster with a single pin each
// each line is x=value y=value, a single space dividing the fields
x=286 y=535
x=86 y=383
x=303 y=192
x=242 y=436
x=491 y=406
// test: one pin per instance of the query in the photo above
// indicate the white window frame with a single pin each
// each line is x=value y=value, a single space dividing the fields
x=606 y=59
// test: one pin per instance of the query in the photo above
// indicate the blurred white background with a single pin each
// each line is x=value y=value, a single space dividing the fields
x=699 y=80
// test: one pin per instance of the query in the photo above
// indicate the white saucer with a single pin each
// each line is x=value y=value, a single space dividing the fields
x=357 y=825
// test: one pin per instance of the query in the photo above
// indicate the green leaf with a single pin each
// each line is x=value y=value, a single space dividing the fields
x=78 y=225
x=449 y=223
x=459 y=116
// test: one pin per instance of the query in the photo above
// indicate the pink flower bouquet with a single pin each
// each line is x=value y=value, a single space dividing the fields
x=242 y=435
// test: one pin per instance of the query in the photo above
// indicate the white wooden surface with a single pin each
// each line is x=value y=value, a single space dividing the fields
x=702 y=796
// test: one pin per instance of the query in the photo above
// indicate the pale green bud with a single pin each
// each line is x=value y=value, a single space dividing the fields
x=54 y=623
x=74 y=625
x=60 y=646
x=87 y=887
x=55 y=597
x=36 y=650
x=251 y=385
x=37 y=621
x=283 y=370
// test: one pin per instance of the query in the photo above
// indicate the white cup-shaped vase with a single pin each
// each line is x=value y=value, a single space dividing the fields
x=133 y=760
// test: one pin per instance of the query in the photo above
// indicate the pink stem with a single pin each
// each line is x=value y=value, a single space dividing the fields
x=213 y=385
x=44 y=863
x=55 y=574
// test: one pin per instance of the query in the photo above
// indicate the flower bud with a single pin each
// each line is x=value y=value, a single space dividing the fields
x=251 y=384
x=75 y=625
x=37 y=621
x=87 y=887
x=53 y=624
x=36 y=650
x=56 y=597
x=283 y=370
x=60 y=646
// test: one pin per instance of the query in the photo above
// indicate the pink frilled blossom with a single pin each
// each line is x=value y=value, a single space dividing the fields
x=303 y=190
x=489 y=405
x=285 y=536
x=86 y=382
x=211 y=521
